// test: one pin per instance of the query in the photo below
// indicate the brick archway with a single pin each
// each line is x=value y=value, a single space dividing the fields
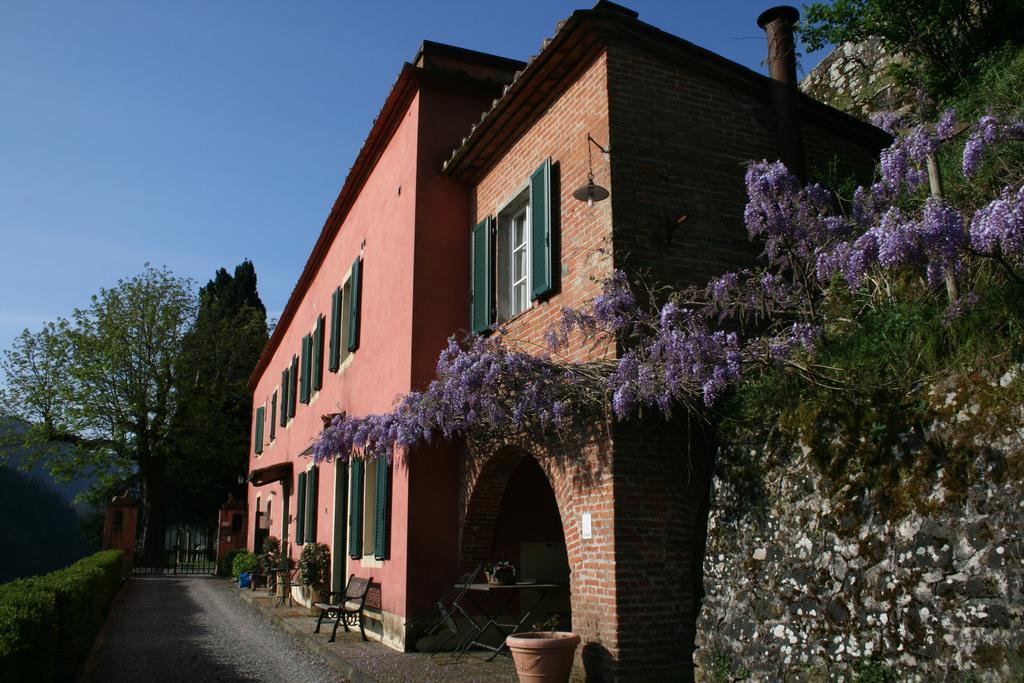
x=486 y=485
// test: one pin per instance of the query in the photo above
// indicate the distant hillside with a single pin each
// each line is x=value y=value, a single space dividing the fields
x=14 y=457
x=41 y=523
x=41 y=531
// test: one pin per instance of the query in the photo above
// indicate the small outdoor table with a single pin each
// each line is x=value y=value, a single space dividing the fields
x=498 y=598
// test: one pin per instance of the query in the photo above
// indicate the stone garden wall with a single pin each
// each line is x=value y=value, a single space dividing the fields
x=854 y=78
x=799 y=589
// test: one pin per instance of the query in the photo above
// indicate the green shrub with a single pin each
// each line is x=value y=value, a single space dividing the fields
x=314 y=564
x=228 y=562
x=874 y=671
x=243 y=562
x=48 y=623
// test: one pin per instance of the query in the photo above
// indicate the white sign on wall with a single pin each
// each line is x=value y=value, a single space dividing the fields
x=588 y=529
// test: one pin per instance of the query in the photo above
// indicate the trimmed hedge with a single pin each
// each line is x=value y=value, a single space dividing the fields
x=48 y=623
x=228 y=562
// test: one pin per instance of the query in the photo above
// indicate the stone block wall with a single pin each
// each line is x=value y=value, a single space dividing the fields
x=801 y=585
x=853 y=78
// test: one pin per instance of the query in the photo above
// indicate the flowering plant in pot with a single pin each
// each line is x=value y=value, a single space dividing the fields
x=501 y=573
x=543 y=654
x=314 y=564
x=271 y=560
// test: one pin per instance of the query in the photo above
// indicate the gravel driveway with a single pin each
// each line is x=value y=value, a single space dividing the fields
x=196 y=629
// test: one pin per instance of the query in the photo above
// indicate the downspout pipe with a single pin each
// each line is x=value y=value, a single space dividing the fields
x=778 y=23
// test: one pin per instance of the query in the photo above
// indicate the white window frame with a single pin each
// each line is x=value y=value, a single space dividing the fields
x=517 y=207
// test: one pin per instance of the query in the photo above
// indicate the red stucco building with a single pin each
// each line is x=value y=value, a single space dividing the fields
x=458 y=213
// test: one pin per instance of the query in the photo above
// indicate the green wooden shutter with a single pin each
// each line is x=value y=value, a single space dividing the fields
x=355 y=513
x=311 y=505
x=354 y=303
x=258 y=437
x=481 y=279
x=318 y=354
x=382 y=528
x=334 y=359
x=307 y=349
x=284 y=397
x=540 y=230
x=273 y=416
x=300 y=510
x=293 y=380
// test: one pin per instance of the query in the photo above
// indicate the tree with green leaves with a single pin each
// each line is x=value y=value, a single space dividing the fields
x=105 y=381
x=942 y=42
x=210 y=431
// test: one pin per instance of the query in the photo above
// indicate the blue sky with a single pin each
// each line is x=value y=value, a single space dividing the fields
x=196 y=134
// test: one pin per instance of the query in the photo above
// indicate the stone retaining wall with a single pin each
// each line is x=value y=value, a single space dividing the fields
x=797 y=590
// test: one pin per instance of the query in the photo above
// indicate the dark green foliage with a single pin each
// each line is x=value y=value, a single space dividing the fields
x=48 y=623
x=314 y=564
x=722 y=668
x=103 y=382
x=868 y=426
x=874 y=671
x=243 y=562
x=271 y=552
x=227 y=563
x=944 y=41
x=211 y=428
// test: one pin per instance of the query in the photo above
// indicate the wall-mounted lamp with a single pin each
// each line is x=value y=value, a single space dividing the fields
x=241 y=479
x=591 y=192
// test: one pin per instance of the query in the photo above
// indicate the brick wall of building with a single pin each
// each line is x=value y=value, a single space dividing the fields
x=584 y=233
x=680 y=135
x=680 y=139
x=578 y=467
x=662 y=474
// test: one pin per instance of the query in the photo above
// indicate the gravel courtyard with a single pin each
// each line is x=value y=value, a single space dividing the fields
x=196 y=629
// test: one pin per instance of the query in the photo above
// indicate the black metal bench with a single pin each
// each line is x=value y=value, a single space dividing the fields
x=348 y=610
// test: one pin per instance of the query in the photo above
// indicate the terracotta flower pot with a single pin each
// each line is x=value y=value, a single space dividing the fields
x=543 y=656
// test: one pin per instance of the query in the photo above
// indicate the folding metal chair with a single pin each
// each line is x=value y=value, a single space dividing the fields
x=447 y=607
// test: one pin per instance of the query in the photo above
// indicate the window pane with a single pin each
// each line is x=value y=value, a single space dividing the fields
x=519 y=297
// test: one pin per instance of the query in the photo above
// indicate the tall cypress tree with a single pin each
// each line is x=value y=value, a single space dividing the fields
x=211 y=425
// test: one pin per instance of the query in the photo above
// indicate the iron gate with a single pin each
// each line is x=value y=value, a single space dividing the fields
x=186 y=550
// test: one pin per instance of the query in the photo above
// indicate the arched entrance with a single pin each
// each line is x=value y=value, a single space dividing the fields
x=513 y=514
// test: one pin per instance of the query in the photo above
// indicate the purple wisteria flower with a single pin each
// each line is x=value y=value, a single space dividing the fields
x=998 y=227
x=987 y=132
x=889 y=121
x=689 y=348
x=946 y=126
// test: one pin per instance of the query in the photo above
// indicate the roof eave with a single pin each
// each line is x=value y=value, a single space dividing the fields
x=460 y=163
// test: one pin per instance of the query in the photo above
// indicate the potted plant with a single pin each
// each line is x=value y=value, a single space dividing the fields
x=500 y=573
x=271 y=560
x=543 y=654
x=314 y=568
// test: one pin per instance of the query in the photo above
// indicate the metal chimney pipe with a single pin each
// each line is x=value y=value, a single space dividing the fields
x=778 y=23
